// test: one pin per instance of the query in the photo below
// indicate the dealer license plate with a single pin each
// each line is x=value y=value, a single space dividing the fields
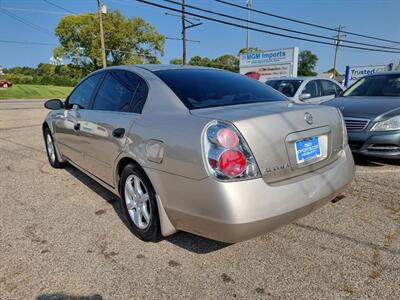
x=308 y=149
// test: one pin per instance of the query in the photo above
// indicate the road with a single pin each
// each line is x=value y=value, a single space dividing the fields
x=62 y=236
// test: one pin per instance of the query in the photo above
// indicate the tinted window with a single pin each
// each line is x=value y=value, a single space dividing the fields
x=140 y=97
x=312 y=88
x=286 y=87
x=200 y=88
x=378 y=85
x=116 y=91
x=82 y=95
x=329 y=88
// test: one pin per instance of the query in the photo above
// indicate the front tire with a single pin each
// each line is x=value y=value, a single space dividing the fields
x=139 y=203
x=51 y=150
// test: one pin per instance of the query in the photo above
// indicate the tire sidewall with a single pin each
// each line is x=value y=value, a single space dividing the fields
x=151 y=232
x=55 y=163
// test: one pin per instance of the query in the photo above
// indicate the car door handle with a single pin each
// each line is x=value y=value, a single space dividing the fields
x=77 y=126
x=118 y=133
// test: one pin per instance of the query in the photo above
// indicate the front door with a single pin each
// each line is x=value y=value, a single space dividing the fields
x=67 y=125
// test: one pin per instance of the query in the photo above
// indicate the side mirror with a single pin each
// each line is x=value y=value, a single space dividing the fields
x=54 y=104
x=305 y=96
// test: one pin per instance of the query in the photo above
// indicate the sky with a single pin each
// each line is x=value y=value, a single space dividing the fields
x=380 y=18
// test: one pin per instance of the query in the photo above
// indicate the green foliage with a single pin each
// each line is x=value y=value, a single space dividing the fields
x=250 y=49
x=397 y=67
x=46 y=74
x=127 y=41
x=226 y=62
x=307 y=63
x=175 y=61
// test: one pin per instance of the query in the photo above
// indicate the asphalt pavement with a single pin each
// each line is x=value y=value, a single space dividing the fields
x=62 y=236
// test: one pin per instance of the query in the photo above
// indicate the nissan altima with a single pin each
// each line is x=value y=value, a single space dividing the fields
x=371 y=109
x=201 y=150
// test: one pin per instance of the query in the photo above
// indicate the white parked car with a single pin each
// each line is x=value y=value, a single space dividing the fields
x=307 y=89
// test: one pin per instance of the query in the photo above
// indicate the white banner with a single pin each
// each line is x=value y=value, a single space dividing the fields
x=270 y=64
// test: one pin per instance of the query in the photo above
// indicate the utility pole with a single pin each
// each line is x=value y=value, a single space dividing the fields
x=183 y=34
x=338 y=36
x=103 y=48
x=248 y=5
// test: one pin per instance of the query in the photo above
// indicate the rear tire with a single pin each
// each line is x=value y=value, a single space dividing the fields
x=51 y=150
x=138 y=200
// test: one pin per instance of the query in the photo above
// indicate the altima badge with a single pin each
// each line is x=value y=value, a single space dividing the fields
x=308 y=118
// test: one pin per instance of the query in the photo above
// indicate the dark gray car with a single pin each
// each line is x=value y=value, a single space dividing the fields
x=371 y=109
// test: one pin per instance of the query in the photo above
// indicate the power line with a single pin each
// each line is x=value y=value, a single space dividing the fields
x=279 y=28
x=53 y=44
x=59 y=7
x=27 y=43
x=261 y=30
x=33 y=10
x=26 y=22
x=304 y=22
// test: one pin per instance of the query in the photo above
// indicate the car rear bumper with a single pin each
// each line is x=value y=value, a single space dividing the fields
x=376 y=144
x=236 y=211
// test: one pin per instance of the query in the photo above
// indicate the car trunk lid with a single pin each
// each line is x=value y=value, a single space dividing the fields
x=272 y=129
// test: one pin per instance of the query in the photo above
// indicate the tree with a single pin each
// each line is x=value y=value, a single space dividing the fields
x=398 y=67
x=127 y=41
x=227 y=62
x=307 y=62
x=336 y=72
x=248 y=50
x=175 y=61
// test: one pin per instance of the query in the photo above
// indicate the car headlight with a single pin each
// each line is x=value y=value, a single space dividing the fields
x=389 y=124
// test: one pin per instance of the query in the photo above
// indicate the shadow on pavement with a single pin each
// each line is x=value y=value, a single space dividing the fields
x=184 y=240
x=62 y=296
x=369 y=161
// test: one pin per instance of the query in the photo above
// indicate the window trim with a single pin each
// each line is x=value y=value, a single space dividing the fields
x=94 y=91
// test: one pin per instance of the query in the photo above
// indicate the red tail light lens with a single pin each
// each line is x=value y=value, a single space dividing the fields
x=232 y=163
x=227 y=138
x=227 y=155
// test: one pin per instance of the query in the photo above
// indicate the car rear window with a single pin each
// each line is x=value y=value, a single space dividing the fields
x=202 y=88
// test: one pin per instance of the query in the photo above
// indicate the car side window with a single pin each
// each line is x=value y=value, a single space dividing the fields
x=116 y=91
x=312 y=89
x=82 y=95
x=329 y=88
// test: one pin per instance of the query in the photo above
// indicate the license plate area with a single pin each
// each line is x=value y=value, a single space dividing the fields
x=308 y=150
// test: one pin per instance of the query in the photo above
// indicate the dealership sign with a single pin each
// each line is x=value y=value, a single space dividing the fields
x=357 y=72
x=270 y=64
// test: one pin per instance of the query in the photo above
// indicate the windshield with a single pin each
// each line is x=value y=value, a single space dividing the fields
x=377 y=85
x=286 y=87
x=201 y=88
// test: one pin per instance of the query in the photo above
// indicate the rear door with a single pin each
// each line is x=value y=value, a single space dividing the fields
x=117 y=104
x=67 y=125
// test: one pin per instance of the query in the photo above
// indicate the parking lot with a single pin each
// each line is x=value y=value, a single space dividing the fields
x=62 y=234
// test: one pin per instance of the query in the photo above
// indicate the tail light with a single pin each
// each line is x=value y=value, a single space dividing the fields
x=227 y=154
x=344 y=130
